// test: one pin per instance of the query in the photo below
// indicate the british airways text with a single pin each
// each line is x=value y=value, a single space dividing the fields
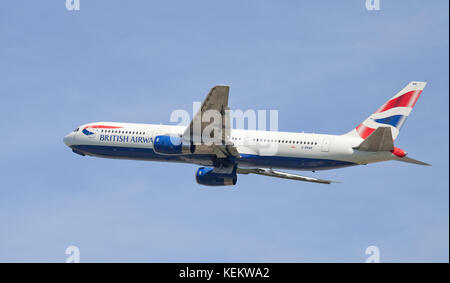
x=125 y=139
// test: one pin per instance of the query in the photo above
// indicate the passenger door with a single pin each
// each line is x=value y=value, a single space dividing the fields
x=325 y=145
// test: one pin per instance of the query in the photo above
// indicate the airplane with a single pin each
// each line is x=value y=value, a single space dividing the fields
x=238 y=151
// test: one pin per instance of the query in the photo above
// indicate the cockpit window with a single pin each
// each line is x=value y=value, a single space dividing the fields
x=76 y=130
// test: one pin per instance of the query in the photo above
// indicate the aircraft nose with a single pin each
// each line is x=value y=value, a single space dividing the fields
x=69 y=139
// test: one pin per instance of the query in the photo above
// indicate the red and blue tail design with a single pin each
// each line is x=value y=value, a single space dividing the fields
x=393 y=113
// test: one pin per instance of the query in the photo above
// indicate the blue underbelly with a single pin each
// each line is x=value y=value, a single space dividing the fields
x=246 y=160
x=299 y=163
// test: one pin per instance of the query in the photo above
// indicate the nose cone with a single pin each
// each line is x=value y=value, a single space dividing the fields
x=69 y=139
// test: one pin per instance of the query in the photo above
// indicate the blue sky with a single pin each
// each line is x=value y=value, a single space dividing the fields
x=325 y=65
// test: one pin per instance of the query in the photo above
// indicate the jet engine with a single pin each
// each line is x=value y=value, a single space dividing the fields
x=172 y=145
x=206 y=176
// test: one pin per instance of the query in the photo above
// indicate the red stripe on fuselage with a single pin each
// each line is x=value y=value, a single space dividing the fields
x=408 y=99
x=364 y=131
x=105 y=127
x=102 y=127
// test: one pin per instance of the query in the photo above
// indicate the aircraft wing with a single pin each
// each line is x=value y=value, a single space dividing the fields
x=284 y=175
x=203 y=125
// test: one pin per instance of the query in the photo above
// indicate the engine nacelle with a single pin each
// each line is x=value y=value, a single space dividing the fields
x=205 y=176
x=172 y=145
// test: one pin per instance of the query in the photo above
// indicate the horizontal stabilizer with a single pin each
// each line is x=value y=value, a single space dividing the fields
x=380 y=140
x=411 y=160
x=284 y=175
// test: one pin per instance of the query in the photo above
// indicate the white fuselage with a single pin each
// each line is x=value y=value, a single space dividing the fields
x=267 y=149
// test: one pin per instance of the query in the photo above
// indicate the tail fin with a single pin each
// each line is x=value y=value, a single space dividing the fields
x=392 y=114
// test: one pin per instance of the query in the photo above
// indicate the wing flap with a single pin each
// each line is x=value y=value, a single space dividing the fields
x=284 y=175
